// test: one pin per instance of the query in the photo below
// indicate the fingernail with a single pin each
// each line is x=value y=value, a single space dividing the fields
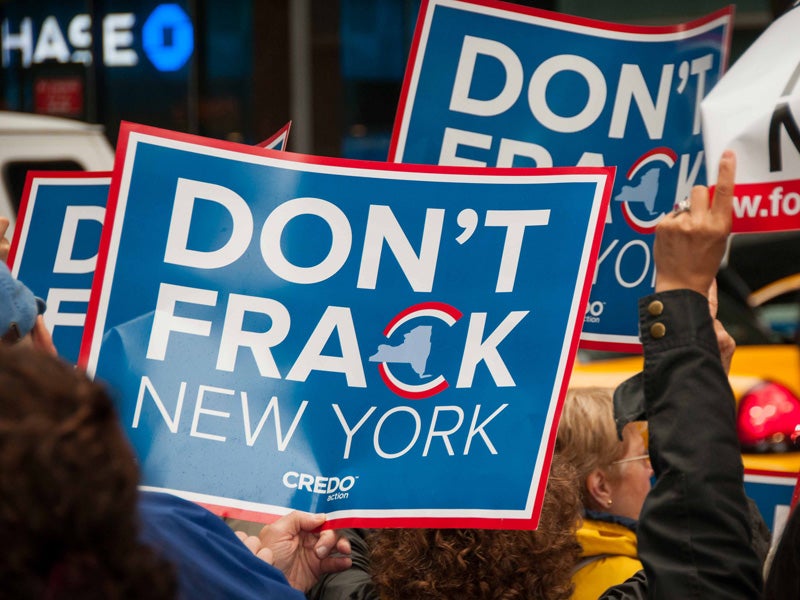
x=321 y=551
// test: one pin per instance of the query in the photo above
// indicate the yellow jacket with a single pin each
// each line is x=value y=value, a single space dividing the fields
x=608 y=558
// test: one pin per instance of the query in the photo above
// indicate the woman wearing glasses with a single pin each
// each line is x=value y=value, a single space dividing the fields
x=614 y=479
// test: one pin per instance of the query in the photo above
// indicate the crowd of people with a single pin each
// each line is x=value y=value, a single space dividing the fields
x=74 y=524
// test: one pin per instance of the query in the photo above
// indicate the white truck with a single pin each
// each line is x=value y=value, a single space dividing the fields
x=30 y=142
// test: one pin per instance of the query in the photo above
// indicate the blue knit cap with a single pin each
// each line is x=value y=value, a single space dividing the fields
x=18 y=307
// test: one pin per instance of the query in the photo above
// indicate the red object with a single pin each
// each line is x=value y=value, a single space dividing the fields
x=769 y=418
x=62 y=96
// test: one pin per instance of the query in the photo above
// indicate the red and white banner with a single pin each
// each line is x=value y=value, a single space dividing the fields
x=755 y=111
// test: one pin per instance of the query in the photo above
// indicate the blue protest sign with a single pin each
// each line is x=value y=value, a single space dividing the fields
x=383 y=343
x=496 y=84
x=278 y=140
x=772 y=493
x=54 y=250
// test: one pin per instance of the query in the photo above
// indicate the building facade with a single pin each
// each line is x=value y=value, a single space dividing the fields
x=240 y=69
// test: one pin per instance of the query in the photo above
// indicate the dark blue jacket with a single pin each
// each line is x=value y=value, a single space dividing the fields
x=212 y=563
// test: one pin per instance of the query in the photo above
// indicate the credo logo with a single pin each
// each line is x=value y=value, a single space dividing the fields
x=317 y=484
x=593 y=311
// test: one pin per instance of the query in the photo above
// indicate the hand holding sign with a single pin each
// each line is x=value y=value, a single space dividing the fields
x=303 y=555
x=5 y=244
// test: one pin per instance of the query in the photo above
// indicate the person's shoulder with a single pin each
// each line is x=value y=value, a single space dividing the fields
x=160 y=503
x=601 y=572
x=166 y=512
x=635 y=588
x=175 y=522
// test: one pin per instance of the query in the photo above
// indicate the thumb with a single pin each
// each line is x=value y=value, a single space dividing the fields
x=310 y=521
x=266 y=555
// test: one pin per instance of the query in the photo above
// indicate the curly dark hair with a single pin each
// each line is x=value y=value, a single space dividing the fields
x=68 y=489
x=484 y=564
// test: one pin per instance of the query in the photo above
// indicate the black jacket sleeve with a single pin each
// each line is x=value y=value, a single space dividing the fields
x=694 y=537
x=353 y=584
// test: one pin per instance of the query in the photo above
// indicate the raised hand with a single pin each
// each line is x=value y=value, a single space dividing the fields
x=690 y=244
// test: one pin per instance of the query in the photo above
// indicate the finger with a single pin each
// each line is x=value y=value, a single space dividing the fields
x=726 y=344
x=327 y=542
x=700 y=200
x=42 y=338
x=4 y=223
x=265 y=529
x=334 y=564
x=723 y=194
x=241 y=535
x=253 y=543
x=713 y=302
x=5 y=244
x=308 y=521
x=266 y=555
x=343 y=546
x=292 y=524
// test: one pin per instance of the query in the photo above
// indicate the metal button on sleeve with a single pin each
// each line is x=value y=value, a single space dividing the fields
x=655 y=308
x=658 y=330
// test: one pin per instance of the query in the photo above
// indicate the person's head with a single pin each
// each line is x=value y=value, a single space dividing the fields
x=422 y=564
x=613 y=475
x=68 y=488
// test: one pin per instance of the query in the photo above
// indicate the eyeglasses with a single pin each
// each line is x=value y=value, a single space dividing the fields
x=632 y=458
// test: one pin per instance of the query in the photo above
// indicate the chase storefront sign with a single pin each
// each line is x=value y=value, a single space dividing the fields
x=164 y=37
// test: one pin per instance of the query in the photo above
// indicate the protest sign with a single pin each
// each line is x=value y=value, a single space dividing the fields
x=772 y=493
x=278 y=140
x=755 y=111
x=388 y=344
x=497 y=84
x=54 y=248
